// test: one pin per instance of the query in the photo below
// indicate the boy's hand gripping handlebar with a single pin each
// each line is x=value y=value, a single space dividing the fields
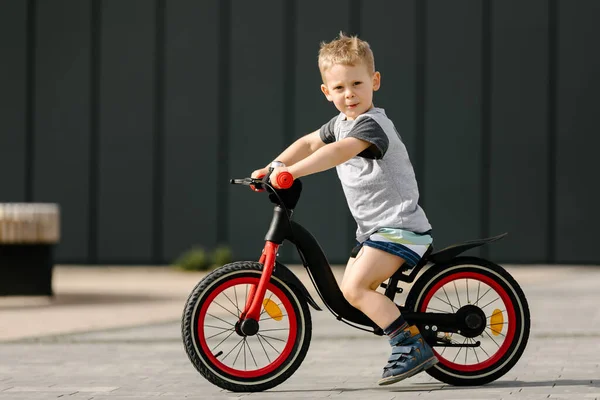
x=284 y=180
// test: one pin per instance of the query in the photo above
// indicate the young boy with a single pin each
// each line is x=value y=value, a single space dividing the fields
x=380 y=188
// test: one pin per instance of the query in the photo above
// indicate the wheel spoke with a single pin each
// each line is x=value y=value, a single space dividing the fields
x=459 y=350
x=264 y=310
x=219 y=327
x=217 y=346
x=475 y=351
x=499 y=333
x=456 y=290
x=229 y=311
x=245 y=343
x=435 y=309
x=486 y=353
x=236 y=299
x=267 y=342
x=482 y=296
x=220 y=333
x=239 y=351
x=496 y=299
x=235 y=305
x=264 y=319
x=274 y=338
x=501 y=312
x=468 y=301
x=223 y=359
x=442 y=300
x=492 y=339
x=252 y=354
x=263 y=347
x=222 y=320
x=443 y=351
x=444 y=289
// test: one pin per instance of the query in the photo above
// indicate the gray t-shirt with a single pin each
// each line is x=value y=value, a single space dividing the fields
x=379 y=183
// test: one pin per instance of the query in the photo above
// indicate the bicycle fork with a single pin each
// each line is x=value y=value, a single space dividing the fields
x=251 y=314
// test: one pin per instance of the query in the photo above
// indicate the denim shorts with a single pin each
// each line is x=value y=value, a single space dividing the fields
x=408 y=245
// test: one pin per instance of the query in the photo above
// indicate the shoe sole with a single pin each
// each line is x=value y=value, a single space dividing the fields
x=397 y=378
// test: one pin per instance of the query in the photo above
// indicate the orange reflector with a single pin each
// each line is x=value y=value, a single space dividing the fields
x=272 y=309
x=496 y=322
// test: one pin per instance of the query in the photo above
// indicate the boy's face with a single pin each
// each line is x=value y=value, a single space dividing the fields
x=350 y=88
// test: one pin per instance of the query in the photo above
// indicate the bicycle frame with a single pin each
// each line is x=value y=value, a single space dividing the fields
x=322 y=276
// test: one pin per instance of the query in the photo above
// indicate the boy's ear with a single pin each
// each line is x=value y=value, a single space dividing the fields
x=326 y=92
x=376 y=81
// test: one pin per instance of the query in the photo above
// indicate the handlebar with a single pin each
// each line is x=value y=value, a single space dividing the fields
x=284 y=180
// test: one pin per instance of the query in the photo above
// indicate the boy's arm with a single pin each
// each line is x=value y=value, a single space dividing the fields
x=299 y=150
x=329 y=156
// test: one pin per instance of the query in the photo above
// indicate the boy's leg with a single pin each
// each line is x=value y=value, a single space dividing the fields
x=410 y=353
x=353 y=255
x=362 y=277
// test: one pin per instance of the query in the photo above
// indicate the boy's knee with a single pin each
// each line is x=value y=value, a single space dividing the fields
x=352 y=294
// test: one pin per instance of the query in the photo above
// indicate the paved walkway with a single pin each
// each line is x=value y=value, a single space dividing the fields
x=113 y=333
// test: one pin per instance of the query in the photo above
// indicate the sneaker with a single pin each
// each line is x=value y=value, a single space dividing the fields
x=410 y=355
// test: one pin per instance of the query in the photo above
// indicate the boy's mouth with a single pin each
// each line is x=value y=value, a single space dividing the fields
x=351 y=106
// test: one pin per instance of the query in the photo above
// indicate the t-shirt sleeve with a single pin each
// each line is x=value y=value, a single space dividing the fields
x=326 y=131
x=369 y=130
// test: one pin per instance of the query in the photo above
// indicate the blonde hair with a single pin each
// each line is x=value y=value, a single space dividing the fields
x=345 y=50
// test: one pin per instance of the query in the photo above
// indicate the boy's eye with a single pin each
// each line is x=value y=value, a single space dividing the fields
x=337 y=88
x=357 y=83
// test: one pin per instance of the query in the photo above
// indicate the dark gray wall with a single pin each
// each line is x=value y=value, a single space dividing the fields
x=134 y=114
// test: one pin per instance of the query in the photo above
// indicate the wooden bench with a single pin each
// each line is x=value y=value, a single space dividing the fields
x=28 y=235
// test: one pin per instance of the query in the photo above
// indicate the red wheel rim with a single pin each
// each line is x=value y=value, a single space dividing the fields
x=511 y=324
x=289 y=310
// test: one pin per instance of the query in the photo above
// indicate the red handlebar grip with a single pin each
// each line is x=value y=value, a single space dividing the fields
x=285 y=180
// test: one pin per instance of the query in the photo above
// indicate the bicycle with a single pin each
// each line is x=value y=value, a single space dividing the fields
x=261 y=308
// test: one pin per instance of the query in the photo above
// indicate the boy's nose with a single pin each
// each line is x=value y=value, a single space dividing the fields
x=349 y=94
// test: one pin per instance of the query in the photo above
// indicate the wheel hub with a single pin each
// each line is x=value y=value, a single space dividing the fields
x=249 y=327
x=472 y=320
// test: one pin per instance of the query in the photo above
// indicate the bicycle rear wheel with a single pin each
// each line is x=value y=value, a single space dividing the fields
x=469 y=359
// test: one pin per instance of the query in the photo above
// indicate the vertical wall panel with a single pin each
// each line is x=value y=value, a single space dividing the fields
x=322 y=208
x=397 y=66
x=577 y=191
x=126 y=131
x=453 y=120
x=62 y=118
x=519 y=130
x=191 y=135
x=13 y=81
x=256 y=116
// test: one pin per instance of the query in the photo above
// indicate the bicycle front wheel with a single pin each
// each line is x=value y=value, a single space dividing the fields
x=222 y=353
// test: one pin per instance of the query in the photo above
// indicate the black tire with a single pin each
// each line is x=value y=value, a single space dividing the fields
x=289 y=361
x=517 y=330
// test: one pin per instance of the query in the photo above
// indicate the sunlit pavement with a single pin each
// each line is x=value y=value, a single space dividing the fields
x=115 y=334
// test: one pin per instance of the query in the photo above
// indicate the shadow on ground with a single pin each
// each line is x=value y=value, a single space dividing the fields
x=423 y=387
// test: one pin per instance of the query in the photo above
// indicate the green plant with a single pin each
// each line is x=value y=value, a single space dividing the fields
x=198 y=259
x=194 y=259
x=221 y=255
